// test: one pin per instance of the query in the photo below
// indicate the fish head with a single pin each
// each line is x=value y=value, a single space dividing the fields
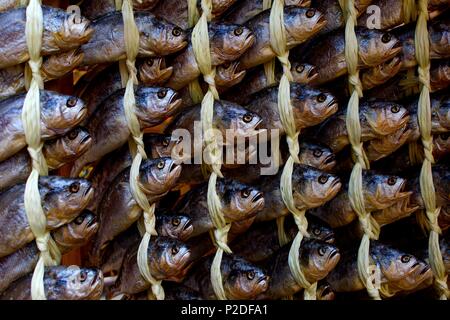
x=237 y=121
x=302 y=23
x=239 y=200
x=313 y=187
x=162 y=38
x=439 y=35
x=75 y=283
x=161 y=144
x=70 y=146
x=75 y=30
x=177 y=226
x=311 y=106
x=303 y=72
x=440 y=76
x=386 y=117
x=78 y=231
x=227 y=74
x=441 y=144
x=318 y=258
x=158 y=176
x=229 y=41
x=155 y=104
x=61 y=111
x=245 y=280
x=440 y=116
x=376 y=46
x=319 y=230
x=317 y=155
x=170 y=257
x=66 y=195
x=58 y=65
x=153 y=71
x=381 y=190
x=325 y=292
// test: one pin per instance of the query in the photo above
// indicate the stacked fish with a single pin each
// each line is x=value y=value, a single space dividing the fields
x=96 y=207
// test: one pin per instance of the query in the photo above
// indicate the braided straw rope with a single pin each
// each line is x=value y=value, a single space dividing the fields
x=201 y=47
x=278 y=44
x=49 y=252
x=369 y=225
x=422 y=47
x=195 y=90
x=269 y=67
x=131 y=37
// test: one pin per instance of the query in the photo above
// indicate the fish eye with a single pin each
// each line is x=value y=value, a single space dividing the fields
x=391 y=181
x=300 y=68
x=73 y=134
x=321 y=97
x=386 y=38
x=323 y=179
x=245 y=193
x=395 y=109
x=83 y=276
x=160 y=164
x=71 y=102
x=405 y=258
x=162 y=93
x=176 y=222
x=247 y=117
x=74 y=187
x=79 y=220
x=310 y=13
x=322 y=251
x=175 y=249
x=317 y=153
x=238 y=31
x=251 y=275
x=150 y=62
x=166 y=142
x=316 y=231
x=177 y=31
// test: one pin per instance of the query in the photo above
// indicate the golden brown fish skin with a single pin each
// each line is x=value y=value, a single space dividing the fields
x=242 y=280
x=12 y=79
x=239 y=202
x=153 y=71
x=383 y=146
x=310 y=106
x=378 y=118
x=227 y=75
x=118 y=210
x=177 y=11
x=399 y=271
x=95 y=9
x=61 y=33
x=378 y=75
x=9 y=4
x=17 y=168
x=261 y=240
x=168 y=259
x=62 y=200
x=256 y=80
x=72 y=235
x=108 y=126
x=59 y=114
x=61 y=283
x=245 y=10
x=300 y=23
x=317 y=259
x=157 y=38
x=227 y=43
x=380 y=192
x=328 y=56
x=311 y=188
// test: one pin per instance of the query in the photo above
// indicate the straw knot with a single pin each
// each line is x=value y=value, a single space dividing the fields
x=149 y=223
x=221 y=238
x=42 y=242
x=424 y=76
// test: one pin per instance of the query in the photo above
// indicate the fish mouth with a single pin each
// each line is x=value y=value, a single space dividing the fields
x=174 y=103
x=425 y=270
x=248 y=42
x=258 y=197
x=86 y=139
x=180 y=46
x=336 y=183
x=321 y=22
x=81 y=114
x=263 y=280
x=88 y=193
x=313 y=74
x=326 y=291
x=396 y=49
x=330 y=159
x=332 y=108
x=333 y=254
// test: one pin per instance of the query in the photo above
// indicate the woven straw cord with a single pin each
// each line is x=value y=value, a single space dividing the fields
x=201 y=47
x=49 y=252
x=422 y=47
x=129 y=79
x=370 y=227
x=278 y=43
